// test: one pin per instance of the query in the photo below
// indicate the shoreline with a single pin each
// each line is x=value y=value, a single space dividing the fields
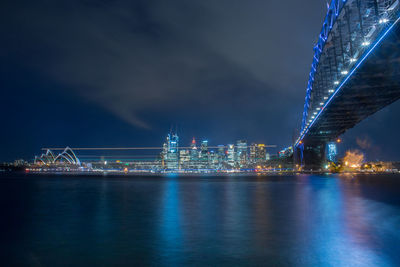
x=177 y=174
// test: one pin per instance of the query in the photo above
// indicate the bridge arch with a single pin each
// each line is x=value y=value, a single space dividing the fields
x=346 y=66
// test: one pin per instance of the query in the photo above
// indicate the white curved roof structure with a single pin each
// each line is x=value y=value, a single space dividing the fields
x=67 y=155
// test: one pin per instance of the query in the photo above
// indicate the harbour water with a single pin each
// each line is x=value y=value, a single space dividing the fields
x=303 y=220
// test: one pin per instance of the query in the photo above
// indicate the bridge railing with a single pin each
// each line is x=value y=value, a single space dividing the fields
x=349 y=33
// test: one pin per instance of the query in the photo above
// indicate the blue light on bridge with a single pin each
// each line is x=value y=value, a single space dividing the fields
x=369 y=51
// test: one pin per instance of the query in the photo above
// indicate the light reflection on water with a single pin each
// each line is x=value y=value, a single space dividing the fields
x=175 y=221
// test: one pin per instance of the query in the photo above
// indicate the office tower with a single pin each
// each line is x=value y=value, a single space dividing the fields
x=260 y=153
x=204 y=154
x=212 y=160
x=221 y=156
x=241 y=153
x=332 y=152
x=231 y=155
x=253 y=152
x=184 y=158
x=172 y=157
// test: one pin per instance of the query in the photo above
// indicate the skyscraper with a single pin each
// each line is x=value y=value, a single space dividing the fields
x=241 y=153
x=261 y=153
x=193 y=150
x=184 y=159
x=253 y=151
x=221 y=156
x=164 y=155
x=231 y=155
x=212 y=160
x=332 y=151
x=172 y=157
x=204 y=154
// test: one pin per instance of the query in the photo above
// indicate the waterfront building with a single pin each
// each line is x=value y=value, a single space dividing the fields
x=213 y=160
x=260 y=152
x=252 y=156
x=184 y=158
x=164 y=154
x=332 y=152
x=204 y=154
x=19 y=163
x=286 y=152
x=241 y=153
x=221 y=155
x=171 y=156
x=194 y=154
x=67 y=156
x=231 y=154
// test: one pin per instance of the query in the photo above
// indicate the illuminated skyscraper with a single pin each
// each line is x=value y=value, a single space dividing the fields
x=221 y=156
x=204 y=154
x=241 y=153
x=212 y=159
x=261 y=153
x=253 y=149
x=172 y=157
x=184 y=158
x=164 y=155
x=194 y=154
x=332 y=152
x=231 y=155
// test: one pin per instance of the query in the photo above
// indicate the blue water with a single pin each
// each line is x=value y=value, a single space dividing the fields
x=203 y=221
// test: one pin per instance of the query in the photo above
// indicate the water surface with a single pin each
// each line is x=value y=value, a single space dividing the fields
x=204 y=221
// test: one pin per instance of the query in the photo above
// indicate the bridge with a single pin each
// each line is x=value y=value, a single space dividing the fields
x=354 y=73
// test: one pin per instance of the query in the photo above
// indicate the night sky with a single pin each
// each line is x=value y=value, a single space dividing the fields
x=121 y=73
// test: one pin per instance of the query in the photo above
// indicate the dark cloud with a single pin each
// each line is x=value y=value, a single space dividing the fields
x=131 y=57
x=222 y=69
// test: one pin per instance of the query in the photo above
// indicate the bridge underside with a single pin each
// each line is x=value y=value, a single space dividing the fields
x=373 y=86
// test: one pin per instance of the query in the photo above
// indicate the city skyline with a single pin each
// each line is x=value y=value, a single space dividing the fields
x=243 y=74
x=197 y=156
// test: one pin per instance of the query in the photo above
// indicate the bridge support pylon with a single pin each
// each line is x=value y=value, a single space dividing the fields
x=310 y=156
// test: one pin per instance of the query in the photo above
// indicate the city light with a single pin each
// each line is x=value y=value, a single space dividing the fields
x=170 y=158
x=365 y=43
x=336 y=82
x=344 y=72
x=383 y=21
